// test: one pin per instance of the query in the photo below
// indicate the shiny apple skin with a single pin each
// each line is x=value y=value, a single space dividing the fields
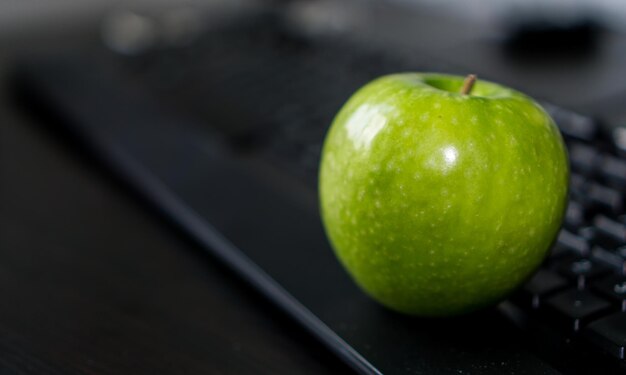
x=438 y=203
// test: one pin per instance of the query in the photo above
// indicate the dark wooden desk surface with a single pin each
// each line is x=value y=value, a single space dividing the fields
x=92 y=282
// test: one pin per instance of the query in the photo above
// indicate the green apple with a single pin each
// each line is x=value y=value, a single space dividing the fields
x=437 y=200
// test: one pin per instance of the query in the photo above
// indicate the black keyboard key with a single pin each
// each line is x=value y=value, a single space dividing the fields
x=581 y=270
x=578 y=186
x=568 y=242
x=609 y=258
x=619 y=139
x=575 y=308
x=614 y=169
x=574 y=216
x=587 y=233
x=573 y=125
x=609 y=333
x=612 y=287
x=610 y=228
x=583 y=158
x=605 y=198
x=542 y=284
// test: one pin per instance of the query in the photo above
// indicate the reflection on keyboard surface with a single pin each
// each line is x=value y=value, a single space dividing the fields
x=277 y=93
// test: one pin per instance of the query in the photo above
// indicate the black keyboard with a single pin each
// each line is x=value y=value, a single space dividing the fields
x=276 y=91
x=266 y=90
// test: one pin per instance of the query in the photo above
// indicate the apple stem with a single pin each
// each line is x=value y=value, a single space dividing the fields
x=468 y=84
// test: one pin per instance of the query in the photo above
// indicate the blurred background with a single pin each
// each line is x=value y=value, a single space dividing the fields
x=570 y=52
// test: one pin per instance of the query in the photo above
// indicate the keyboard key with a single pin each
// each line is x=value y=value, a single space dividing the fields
x=587 y=233
x=605 y=198
x=569 y=242
x=578 y=186
x=542 y=283
x=573 y=125
x=609 y=333
x=610 y=228
x=577 y=307
x=581 y=270
x=609 y=258
x=619 y=139
x=612 y=287
x=614 y=169
x=575 y=215
x=583 y=158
